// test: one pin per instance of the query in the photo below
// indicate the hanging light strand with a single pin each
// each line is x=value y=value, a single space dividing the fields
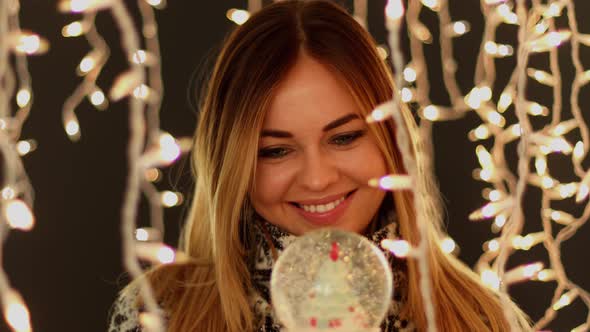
x=17 y=196
x=536 y=34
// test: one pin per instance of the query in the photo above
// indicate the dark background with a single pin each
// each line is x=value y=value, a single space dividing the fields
x=68 y=267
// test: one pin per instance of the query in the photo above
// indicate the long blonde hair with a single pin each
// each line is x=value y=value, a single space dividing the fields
x=212 y=292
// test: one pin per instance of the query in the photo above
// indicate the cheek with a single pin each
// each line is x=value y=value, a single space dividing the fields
x=272 y=183
x=364 y=163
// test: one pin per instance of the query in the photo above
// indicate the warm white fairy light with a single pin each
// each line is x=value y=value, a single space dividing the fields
x=29 y=43
x=26 y=146
x=382 y=51
x=157 y=3
x=448 y=245
x=170 y=198
x=410 y=74
x=459 y=28
x=153 y=175
x=8 y=193
x=238 y=16
x=16 y=312
x=407 y=95
x=23 y=97
x=565 y=299
x=98 y=99
x=539 y=35
x=87 y=64
x=73 y=128
x=74 y=29
x=394 y=12
x=400 y=248
x=392 y=182
x=150 y=322
x=157 y=253
x=18 y=215
x=79 y=6
x=148 y=147
x=16 y=199
x=148 y=234
x=480 y=133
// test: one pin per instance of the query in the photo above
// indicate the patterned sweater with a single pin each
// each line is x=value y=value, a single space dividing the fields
x=270 y=241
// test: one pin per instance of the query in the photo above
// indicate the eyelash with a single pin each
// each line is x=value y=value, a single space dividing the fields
x=276 y=153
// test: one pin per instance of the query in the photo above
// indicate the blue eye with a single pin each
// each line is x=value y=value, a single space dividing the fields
x=346 y=139
x=273 y=153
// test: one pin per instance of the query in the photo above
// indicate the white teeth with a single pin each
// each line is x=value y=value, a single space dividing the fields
x=322 y=207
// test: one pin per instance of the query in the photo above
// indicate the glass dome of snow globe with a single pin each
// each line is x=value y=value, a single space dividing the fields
x=331 y=280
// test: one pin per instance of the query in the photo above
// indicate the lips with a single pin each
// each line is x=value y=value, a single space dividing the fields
x=324 y=200
x=325 y=218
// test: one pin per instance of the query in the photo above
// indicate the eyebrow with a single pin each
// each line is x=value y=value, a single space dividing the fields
x=332 y=125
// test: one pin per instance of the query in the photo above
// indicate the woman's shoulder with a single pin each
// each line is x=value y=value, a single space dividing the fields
x=124 y=313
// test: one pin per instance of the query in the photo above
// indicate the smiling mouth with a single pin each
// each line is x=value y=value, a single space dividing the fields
x=319 y=208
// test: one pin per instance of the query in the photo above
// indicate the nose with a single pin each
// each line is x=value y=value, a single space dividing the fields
x=318 y=172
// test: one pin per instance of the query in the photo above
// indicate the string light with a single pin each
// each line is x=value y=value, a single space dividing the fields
x=541 y=76
x=79 y=6
x=153 y=174
x=29 y=43
x=148 y=146
x=148 y=234
x=156 y=253
x=73 y=129
x=400 y=248
x=18 y=215
x=490 y=279
x=458 y=28
x=559 y=217
x=98 y=99
x=238 y=16
x=528 y=241
x=506 y=99
x=8 y=193
x=23 y=97
x=16 y=312
x=381 y=112
x=523 y=273
x=448 y=245
x=392 y=182
x=545 y=275
x=26 y=146
x=506 y=13
x=549 y=40
x=74 y=29
x=125 y=84
x=549 y=142
x=170 y=198
x=480 y=133
x=410 y=74
x=498 y=50
x=17 y=196
x=565 y=299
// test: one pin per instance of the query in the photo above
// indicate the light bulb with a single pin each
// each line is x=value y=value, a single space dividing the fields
x=23 y=97
x=400 y=248
x=18 y=215
x=238 y=16
x=392 y=182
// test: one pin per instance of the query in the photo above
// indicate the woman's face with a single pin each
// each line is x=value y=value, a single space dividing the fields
x=316 y=156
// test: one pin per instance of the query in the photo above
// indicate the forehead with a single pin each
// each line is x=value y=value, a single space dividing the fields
x=309 y=96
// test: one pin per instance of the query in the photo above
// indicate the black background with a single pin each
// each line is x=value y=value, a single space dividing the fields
x=68 y=267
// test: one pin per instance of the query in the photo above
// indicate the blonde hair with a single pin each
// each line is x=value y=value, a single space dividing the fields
x=211 y=293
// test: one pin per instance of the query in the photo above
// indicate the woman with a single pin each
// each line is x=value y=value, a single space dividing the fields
x=281 y=148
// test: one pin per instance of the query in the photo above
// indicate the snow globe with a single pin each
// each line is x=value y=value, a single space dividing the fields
x=333 y=281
